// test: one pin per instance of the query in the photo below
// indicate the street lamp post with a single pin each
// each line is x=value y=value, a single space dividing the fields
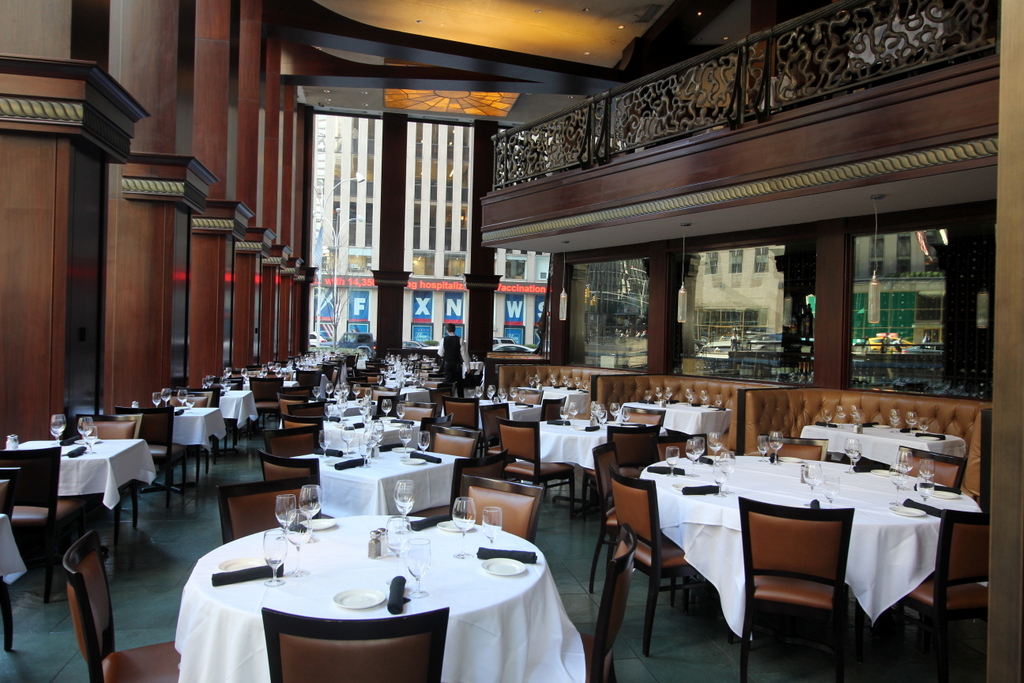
x=358 y=178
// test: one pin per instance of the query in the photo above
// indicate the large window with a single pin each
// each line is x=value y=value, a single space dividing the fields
x=927 y=338
x=608 y=311
x=756 y=324
x=454 y=264
x=515 y=267
x=423 y=263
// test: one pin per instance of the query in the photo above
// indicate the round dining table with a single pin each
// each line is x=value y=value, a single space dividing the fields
x=501 y=629
x=890 y=554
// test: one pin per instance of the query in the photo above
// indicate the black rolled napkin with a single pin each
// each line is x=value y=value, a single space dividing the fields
x=525 y=405
x=425 y=456
x=815 y=504
x=358 y=425
x=906 y=430
x=180 y=411
x=70 y=442
x=947 y=489
x=243 y=575
x=934 y=512
x=868 y=424
x=403 y=422
x=75 y=452
x=396 y=597
x=699 y=490
x=659 y=469
x=333 y=453
x=427 y=522
x=695 y=405
x=592 y=428
x=673 y=402
x=348 y=464
x=388 y=447
x=705 y=460
x=648 y=401
x=559 y=423
x=867 y=464
x=334 y=419
x=940 y=437
x=826 y=424
x=716 y=408
x=524 y=556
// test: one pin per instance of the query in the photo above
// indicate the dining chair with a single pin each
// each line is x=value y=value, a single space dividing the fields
x=286 y=401
x=249 y=508
x=519 y=503
x=305 y=392
x=551 y=408
x=949 y=469
x=490 y=466
x=522 y=440
x=379 y=392
x=393 y=650
x=37 y=507
x=635 y=447
x=157 y=429
x=489 y=424
x=439 y=391
x=636 y=504
x=306 y=408
x=212 y=398
x=264 y=393
x=531 y=396
x=417 y=410
x=279 y=467
x=308 y=378
x=112 y=427
x=794 y=564
x=288 y=442
x=605 y=461
x=805 y=449
x=427 y=423
x=463 y=410
x=8 y=485
x=296 y=421
x=612 y=609
x=647 y=416
x=454 y=441
x=673 y=438
x=93 y=619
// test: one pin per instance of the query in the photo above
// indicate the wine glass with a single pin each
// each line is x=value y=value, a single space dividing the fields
x=911 y=419
x=347 y=434
x=165 y=394
x=855 y=414
x=385 y=406
x=703 y=397
x=658 y=393
x=574 y=410
x=400 y=410
x=831 y=488
x=404 y=496
x=775 y=443
x=672 y=458
x=840 y=414
x=647 y=396
x=689 y=395
x=417 y=560
x=894 y=419
x=157 y=398
x=275 y=547
x=399 y=533
x=725 y=464
x=813 y=476
x=405 y=436
x=490 y=392
x=85 y=426
x=423 y=439
x=762 y=447
x=923 y=422
x=694 y=449
x=715 y=442
x=502 y=396
x=90 y=439
x=182 y=397
x=926 y=478
x=297 y=533
x=899 y=471
x=190 y=402
x=283 y=506
x=624 y=414
x=316 y=393
x=614 y=410
x=718 y=401
x=310 y=497
x=464 y=517
x=826 y=415
x=329 y=389
x=492 y=522
x=57 y=425
x=853 y=452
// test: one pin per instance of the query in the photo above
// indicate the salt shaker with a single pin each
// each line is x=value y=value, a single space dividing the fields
x=135 y=404
x=376 y=545
x=12 y=442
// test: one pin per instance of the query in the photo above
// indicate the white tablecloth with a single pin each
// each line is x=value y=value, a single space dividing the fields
x=683 y=417
x=114 y=463
x=10 y=558
x=569 y=445
x=889 y=554
x=882 y=443
x=500 y=630
x=581 y=399
x=371 y=490
x=195 y=427
x=238 y=405
x=391 y=429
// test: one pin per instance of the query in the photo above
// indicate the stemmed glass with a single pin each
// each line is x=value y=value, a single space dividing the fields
x=855 y=414
x=91 y=438
x=405 y=436
x=85 y=428
x=464 y=517
x=715 y=442
x=275 y=547
x=283 y=506
x=404 y=496
x=165 y=395
x=377 y=436
x=398 y=535
x=831 y=488
x=157 y=399
x=840 y=414
x=762 y=447
x=400 y=410
x=894 y=419
x=689 y=395
x=329 y=389
x=718 y=400
x=624 y=414
x=926 y=478
x=613 y=410
x=297 y=533
x=703 y=397
x=385 y=406
x=57 y=424
x=668 y=395
x=658 y=393
x=310 y=496
x=647 y=396
x=911 y=419
x=826 y=415
x=490 y=392
x=694 y=449
x=417 y=560
x=853 y=452
x=423 y=440
x=492 y=522
x=502 y=396
x=923 y=422
x=347 y=434
x=182 y=397
x=725 y=464
x=672 y=458
x=190 y=402
x=899 y=471
x=775 y=443
x=316 y=393
x=813 y=476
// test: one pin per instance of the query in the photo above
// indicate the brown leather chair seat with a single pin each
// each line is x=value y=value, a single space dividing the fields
x=671 y=555
x=148 y=664
x=966 y=596
x=793 y=591
x=525 y=469
x=32 y=516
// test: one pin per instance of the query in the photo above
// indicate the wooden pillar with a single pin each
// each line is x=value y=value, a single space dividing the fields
x=249 y=256
x=391 y=278
x=210 y=140
x=271 y=302
x=832 y=310
x=286 y=339
x=558 y=330
x=1006 y=589
x=481 y=281
x=661 y=309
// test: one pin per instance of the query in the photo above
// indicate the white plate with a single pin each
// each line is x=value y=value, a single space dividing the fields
x=928 y=438
x=323 y=524
x=502 y=566
x=83 y=442
x=786 y=458
x=414 y=462
x=907 y=512
x=946 y=495
x=880 y=473
x=241 y=563
x=451 y=528
x=359 y=598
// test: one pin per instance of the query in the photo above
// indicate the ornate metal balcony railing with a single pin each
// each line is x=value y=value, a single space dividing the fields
x=844 y=46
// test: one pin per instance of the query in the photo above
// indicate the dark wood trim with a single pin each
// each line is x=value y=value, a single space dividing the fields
x=833 y=288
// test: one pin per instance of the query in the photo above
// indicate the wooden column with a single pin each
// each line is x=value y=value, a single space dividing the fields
x=832 y=310
x=55 y=153
x=211 y=291
x=1006 y=589
x=286 y=339
x=270 y=284
x=247 y=158
x=481 y=281
x=391 y=278
x=304 y=277
x=249 y=256
x=661 y=309
x=210 y=140
x=558 y=330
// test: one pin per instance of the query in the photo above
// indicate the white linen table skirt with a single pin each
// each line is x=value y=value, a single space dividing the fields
x=195 y=427
x=10 y=558
x=683 y=417
x=238 y=405
x=114 y=463
x=882 y=443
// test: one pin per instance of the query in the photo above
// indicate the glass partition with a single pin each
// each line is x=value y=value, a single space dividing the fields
x=608 y=314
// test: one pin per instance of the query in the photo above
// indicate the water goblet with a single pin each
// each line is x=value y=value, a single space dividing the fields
x=855 y=414
x=726 y=464
x=911 y=419
x=574 y=410
x=182 y=397
x=715 y=442
x=813 y=476
x=894 y=419
x=775 y=442
x=347 y=434
x=926 y=478
x=405 y=436
x=57 y=425
x=490 y=392
x=423 y=439
x=718 y=401
x=190 y=403
x=417 y=559
x=762 y=447
x=329 y=389
x=316 y=393
x=658 y=393
x=624 y=414
x=830 y=485
x=165 y=394
x=399 y=534
x=385 y=406
x=404 y=496
x=492 y=522
x=310 y=497
x=689 y=395
x=563 y=411
x=853 y=452
x=464 y=517
x=283 y=506
x=840 y=414
x=502 y=396
x=672 y=458
x=157 y=399
x=826 y=415
x=298 y=533
x=694 y=449
x=703 y=397
x=613 y=410
x=923 y=422
x=275 y=547
x=668 y=395
x=85 y=426
x=647 y=396
x=400 y=410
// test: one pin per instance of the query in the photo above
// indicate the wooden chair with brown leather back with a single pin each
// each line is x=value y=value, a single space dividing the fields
x=519 y=503
x=673 y=438
x=647 y=416
x=436 y=393
x=278 y=467
x=417 y=410
x=949 y=469
x=636 y=504
x=805 y=449
x=427 y=423
x=550 y=409
x=794 y=563
x=38 y=511
x=489 y=415
x=249 y=508
x=296 y=421
x=157 y=428
x=8 y=486
x=298 y=391
x=264 y=393
x=490 y=466
x=612 y=609
x=531 y=396
x=203 y=398
x=464 y=411
x=288 y=442
x=635 y=446
x=93 y=619
x=605 y=462
x=306 y=408
x=461 y=443
x=112 y=427
x=286 y=401
x=308 y=378
x=393 y=650
x=522 y=441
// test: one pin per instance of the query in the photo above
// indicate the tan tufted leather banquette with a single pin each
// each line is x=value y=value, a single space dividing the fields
x=609 y=389
x=520 y=375
x=789 y=410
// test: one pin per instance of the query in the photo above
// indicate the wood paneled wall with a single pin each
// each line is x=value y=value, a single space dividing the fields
x=209 y=289
x=39 y=27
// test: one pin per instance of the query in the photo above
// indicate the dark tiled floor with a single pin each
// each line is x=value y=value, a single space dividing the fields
x=151 y=564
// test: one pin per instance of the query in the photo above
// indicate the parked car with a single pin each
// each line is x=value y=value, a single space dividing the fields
x=360 y=342
x=413 y=345
x=511 y=348
x=502 y=340
x=316 y=340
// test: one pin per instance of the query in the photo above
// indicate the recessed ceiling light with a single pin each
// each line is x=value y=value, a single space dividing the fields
x=699 y=13
x=537 y=11
x=586 y=53
x=570 y=97
x=565 y=241
x=685 y=225
x=327 y=91
x=419 y=21
x=725 y=37
x=622 y=26
x=586 y=9
x=365 y=104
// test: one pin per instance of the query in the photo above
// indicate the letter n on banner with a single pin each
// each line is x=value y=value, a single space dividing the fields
x=454 y=307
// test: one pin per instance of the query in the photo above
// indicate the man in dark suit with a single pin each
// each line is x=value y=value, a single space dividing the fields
x=453 y=354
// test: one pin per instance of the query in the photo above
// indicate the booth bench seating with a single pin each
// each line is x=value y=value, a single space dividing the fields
x=789 y=410
x=519 y=375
